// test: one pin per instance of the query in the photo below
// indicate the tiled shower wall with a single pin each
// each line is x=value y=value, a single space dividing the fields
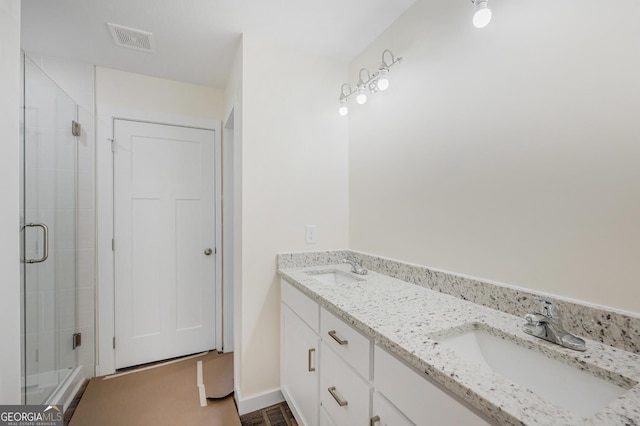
x=78 y=81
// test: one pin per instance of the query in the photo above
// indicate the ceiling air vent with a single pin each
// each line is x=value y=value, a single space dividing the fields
x=132 y=38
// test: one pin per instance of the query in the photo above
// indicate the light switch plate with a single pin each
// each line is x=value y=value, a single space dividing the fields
x=311 y=234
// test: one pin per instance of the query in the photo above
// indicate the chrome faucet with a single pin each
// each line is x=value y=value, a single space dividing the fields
x=548 y=326
x=356 y=268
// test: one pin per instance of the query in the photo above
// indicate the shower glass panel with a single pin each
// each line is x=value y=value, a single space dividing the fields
x=49 y=216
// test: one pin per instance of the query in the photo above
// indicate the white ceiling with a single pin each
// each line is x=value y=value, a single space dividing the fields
x=197 y=39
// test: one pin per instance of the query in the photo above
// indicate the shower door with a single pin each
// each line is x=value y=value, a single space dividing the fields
x=48 y=230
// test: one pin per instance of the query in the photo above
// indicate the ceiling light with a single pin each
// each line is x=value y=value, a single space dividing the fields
x=482 y=17
x=374 y=82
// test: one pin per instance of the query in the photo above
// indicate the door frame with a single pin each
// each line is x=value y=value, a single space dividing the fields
x=105 y=318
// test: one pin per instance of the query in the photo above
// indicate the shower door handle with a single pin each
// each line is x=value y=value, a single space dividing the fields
x=45 y=231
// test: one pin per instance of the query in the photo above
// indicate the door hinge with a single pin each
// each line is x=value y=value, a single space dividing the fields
x=77 y=340
x=76 y=128
x=113 y=145
x=114 y=342
x=113 y=244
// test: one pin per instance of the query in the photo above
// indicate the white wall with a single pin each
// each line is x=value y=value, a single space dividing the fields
x=127 y=95
x=508 y=153
x=233 y=124
x=75 y=78
x=145 y=93
x=294 y=173
x=9 y=193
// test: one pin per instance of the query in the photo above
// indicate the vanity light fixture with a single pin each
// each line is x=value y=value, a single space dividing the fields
x=383 y=71
x=344 y=109
x=360 y=87
x=379 y=80
x=482 y=17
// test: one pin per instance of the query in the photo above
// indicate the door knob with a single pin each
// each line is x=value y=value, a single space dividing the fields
x=208 y=251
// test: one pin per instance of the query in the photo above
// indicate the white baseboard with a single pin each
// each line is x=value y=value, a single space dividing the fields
x=257 y=402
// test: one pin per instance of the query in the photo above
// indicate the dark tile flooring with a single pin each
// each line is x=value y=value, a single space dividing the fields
x=276 y=415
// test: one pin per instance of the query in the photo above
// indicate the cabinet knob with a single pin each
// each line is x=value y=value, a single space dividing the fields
x=374 y=420
x=208 y=251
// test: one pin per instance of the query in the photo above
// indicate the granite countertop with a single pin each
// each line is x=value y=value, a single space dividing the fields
x=405 y=319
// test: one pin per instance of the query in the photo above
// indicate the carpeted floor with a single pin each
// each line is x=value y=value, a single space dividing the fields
x=276 y=415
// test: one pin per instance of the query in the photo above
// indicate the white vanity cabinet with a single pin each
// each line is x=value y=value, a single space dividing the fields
x=345 y=371
x=351 y=345
x=420 y=400
x=385 y=414
x=333 y=375
x=343 y=394
x=299 y=344
x=325 y=420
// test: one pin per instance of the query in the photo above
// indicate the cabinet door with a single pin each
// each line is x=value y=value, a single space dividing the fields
x=385 y=414
x=298 y=370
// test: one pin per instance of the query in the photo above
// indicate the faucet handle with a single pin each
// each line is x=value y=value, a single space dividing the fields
x=545 y=307
x=551 y=310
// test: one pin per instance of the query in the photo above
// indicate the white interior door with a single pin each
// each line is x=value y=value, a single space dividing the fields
x=164 y=236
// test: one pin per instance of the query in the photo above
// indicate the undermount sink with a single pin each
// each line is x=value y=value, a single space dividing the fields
x=333 y=277
x=560 y=383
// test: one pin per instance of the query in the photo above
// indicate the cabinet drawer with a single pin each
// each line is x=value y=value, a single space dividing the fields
x=301 y=304
x=385 y=414
x=352 y=346
x=420 y=400
x=343 y=393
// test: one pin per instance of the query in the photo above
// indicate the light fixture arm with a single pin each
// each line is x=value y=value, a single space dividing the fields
x=343 y=95
x=361 y=81
x=394 y=61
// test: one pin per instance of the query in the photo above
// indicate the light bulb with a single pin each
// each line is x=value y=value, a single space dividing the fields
x=383 y=83
x=343 y=110
x=362 y=97
x=383 y=80
x=482 y=17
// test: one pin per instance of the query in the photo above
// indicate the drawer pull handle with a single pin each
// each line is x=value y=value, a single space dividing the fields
x=310 y=368
x=341 y=402
x=341 y=342
x=374 y=420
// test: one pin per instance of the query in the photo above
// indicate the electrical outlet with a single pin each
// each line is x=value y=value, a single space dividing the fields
x=311 y=234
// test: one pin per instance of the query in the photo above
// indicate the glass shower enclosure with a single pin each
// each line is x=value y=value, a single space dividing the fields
x=49 y=234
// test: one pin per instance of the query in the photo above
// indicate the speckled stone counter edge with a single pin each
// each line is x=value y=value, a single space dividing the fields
x=610 y=327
